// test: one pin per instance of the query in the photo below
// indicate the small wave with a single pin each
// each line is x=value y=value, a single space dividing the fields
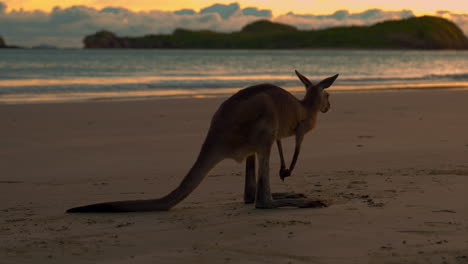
x=456 y=76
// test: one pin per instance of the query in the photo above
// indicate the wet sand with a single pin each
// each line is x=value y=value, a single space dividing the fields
x=392 y=164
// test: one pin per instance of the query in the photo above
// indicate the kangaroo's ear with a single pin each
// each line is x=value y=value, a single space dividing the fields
x=325 y=83
x=303 y=79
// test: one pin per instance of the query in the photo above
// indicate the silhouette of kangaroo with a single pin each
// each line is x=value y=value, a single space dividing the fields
x=246 y=126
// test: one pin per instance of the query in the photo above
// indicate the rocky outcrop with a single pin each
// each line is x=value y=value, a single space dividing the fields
x=3 y=45
x=105 y=40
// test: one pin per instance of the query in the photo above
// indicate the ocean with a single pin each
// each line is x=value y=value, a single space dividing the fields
x=75 y=75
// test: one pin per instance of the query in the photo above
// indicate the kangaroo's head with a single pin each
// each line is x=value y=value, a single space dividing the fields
x=316 y=97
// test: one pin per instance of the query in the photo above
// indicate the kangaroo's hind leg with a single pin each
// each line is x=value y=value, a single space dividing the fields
x=263 y=196
x=250 y=182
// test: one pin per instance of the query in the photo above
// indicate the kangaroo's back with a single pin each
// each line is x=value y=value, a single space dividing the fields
x=248 y=106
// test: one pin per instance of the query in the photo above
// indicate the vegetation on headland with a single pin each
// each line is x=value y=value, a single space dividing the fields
x=425 y=32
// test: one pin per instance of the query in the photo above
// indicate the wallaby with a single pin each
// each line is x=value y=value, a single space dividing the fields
x=245 y=127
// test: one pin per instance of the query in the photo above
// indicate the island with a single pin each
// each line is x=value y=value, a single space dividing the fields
x=426 y=32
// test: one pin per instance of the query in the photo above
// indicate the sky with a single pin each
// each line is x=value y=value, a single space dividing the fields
x=277 y=6
x=64 y=23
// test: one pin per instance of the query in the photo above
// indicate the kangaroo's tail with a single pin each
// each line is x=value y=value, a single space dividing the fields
x=206 y=160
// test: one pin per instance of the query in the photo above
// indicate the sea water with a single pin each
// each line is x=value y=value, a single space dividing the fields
x=64 y=75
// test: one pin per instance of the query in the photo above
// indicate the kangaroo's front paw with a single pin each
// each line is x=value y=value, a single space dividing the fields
x=284 y=173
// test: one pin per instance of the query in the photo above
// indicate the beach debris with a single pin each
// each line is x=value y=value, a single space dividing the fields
x=125 y=224
x=268 y=223
x=10 y=182
x=365 y=137
x=419 y=232
x=444 y=211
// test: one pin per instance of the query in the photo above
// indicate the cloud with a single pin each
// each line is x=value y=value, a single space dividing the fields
x=253 y=11
x=460 y=19
x=71 y=15
x=233 y=9
x=2 y=7
x=341 y=18
x=225 y=11
x=66 y=27
x=185 y=12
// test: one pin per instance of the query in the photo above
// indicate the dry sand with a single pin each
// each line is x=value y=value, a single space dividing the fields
x=392 y=164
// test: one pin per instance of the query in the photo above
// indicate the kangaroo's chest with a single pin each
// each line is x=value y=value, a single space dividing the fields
x=310 y=124
x=288 y=127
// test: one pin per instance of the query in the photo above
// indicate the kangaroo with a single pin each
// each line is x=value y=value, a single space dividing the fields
x=245 y=127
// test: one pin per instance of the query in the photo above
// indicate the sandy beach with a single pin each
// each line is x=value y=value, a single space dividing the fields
x=392 y=165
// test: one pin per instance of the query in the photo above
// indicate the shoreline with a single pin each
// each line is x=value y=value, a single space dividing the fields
x=184 y=93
